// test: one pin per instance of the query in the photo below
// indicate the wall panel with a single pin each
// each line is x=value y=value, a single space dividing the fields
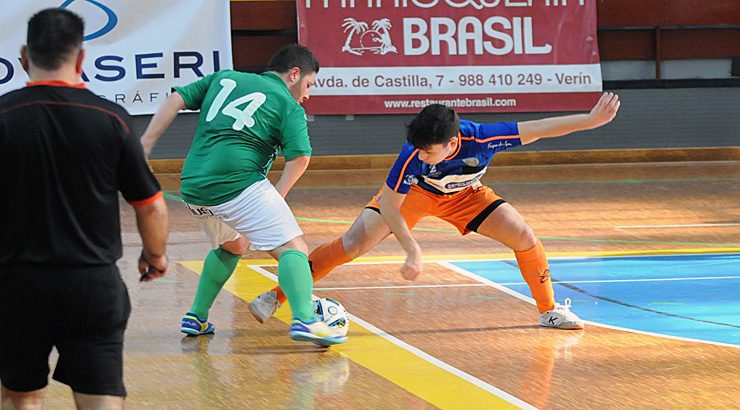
x=657 y=118
x=667 y=12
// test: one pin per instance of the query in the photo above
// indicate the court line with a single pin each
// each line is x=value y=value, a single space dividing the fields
x=426 y=383
x=544 y=237
x=426 y=377
x=561 y=282
x=531 y=301
x=388 y=259
x=629 y=305
x=553 y=238
x=646 y=333
x=712 y=225
x=561 y=182
x=550 y=238
x=451 y=285
x=620 y=181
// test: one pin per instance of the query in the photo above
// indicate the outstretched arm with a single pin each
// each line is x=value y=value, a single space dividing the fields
x=161 y=120
x=603 y=112
x=390 y=209
x=291 y=173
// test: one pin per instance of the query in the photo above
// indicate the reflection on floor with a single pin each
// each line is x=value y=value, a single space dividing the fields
x=451 y=340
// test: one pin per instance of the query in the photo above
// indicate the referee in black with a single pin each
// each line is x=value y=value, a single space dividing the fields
x=65 y=153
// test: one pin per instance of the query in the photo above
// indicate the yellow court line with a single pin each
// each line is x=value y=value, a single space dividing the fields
x=428 y=381
x=395 y=363
x=510 y=255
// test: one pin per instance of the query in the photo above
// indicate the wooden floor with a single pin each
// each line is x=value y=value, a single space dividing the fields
x=443 y=346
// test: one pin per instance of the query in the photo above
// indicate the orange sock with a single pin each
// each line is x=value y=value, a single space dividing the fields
x=323 y=260
x=536 y=272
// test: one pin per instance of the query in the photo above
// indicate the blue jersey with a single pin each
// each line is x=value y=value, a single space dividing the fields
x=465 y=167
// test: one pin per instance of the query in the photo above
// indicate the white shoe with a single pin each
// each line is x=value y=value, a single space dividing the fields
x=264 y=306
x=561 y=317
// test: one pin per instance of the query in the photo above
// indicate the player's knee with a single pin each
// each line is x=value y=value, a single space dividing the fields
x=355 y=245
x=350 y=246
x=237 y=247
x=527 y=239
x=297 y=244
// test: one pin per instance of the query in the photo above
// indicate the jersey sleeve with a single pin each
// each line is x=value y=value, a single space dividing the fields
x=137 y=183
x=194 y=93
x=294 y=139
x=404 y=172
x=494 y=136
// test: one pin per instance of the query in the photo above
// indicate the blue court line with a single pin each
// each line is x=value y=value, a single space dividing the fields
x=702 y=304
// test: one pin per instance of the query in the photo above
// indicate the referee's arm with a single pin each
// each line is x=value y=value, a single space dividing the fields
x=152 y=220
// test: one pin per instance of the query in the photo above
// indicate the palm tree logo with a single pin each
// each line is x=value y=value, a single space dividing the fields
x=377 y=40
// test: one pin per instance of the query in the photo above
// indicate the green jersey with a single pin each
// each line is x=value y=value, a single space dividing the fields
x=245 y=119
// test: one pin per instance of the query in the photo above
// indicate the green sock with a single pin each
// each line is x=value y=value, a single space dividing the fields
x=217 y=269
x=294 y=277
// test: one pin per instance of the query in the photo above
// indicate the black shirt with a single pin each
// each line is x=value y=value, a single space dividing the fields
x=64 y=155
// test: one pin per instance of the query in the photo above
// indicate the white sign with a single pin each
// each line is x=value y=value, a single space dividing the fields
x=136 y=50
x=458 y=80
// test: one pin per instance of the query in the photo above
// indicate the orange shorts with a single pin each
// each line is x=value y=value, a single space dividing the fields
x=466 y=209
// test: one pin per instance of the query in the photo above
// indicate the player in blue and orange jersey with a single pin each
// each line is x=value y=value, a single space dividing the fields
x=437 y=174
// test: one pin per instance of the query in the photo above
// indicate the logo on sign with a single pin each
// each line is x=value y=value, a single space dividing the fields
x=360 y=38
x=109 y=25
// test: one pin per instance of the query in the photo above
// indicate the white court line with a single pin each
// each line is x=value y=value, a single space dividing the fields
x=458 y=285
x=423 y=355
x=434 y=259
x=677 y=226
x=532 y=302
x=451 y=369
x=449 y=285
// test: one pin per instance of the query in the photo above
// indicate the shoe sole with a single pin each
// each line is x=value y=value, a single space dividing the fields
x=564 y=327
x=321 y=341
x=191 y=332
x=256 y=315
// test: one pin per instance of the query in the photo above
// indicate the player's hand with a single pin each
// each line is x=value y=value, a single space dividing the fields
x=151 y=267
x=605 y=110
x=413 y=266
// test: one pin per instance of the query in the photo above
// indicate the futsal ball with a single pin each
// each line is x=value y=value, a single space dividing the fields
x=332 y=313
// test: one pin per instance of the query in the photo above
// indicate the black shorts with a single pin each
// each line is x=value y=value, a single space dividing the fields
x=81 y=311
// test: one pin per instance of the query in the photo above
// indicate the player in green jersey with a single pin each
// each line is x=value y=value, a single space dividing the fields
x=245 y=120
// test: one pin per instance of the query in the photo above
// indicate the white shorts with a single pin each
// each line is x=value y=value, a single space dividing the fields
x=259 y=214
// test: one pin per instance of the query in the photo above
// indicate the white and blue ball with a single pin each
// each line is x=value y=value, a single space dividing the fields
x=332 y=313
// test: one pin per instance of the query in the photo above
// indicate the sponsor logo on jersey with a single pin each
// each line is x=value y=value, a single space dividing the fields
x=463 y=184
x=433 y=172
x=471 y=162
x=500 y=144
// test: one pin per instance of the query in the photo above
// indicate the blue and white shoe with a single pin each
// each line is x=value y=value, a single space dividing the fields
x=193 y=326
x=317 y=332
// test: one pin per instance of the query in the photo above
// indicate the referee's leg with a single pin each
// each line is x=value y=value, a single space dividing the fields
x=89 y=331
x=10 y=399
x=25 y=346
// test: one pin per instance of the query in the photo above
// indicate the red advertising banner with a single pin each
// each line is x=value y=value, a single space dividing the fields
x=397 y=56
